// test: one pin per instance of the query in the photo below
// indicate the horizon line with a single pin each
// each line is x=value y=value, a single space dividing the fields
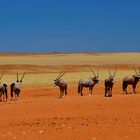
x=77 y=52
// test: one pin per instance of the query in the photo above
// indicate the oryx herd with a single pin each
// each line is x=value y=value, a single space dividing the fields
x=15 y=88
x=91 y=82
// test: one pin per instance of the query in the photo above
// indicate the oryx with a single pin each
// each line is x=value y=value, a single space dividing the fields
x=62 y=84
x=88 y=83
x=131 y=80
x=109 y=84
x=3 y=91
x=15 y=87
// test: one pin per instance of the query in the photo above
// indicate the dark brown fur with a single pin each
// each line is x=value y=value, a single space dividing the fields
x=109 y=84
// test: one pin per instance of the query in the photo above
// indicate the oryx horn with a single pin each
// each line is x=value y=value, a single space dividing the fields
x=139 y=70
x=114 y=73
x=22 y=77
x=17 y=77
x=135 y=71
x=109 y=72
x=1 y=76
x=60 y=76
x=92 y=72
x=98 y=73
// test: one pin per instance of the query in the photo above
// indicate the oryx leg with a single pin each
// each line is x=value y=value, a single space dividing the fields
x=90 y=91
x=66 y=91
x=61 y=93
x=11 y=95
x=0 y=96
x=6 y=95
x=134 y=87
x=108 y=90
x=110 y=94
x=124 y=88
x=3 y=95
x=17 y=93
x=81 y=91
x=105 y=91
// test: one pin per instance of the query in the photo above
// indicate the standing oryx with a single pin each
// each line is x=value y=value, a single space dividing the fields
x=15 y=87
x=131 y=80
x=62 y=84
x=109 y=84
x=3 y=91
x=88 y=83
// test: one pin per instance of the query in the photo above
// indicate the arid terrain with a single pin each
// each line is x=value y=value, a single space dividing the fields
x=38 y=114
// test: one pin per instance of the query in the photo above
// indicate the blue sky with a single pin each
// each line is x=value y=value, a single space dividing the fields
x=69 y=26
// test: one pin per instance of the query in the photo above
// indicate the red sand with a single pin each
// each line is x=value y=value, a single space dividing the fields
x=39 y=115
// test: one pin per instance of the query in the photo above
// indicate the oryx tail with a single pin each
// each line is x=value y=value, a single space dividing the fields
x=79 y=88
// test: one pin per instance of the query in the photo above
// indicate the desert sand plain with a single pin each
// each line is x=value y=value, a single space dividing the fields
x=40 y=115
